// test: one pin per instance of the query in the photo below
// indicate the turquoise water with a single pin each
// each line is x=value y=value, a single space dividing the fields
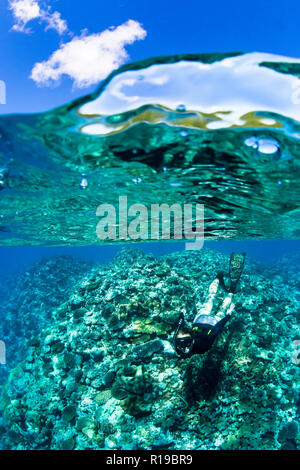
x=87 y=356
x=215 y=130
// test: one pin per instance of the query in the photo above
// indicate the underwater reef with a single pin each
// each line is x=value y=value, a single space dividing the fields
x=286 y=269
x=104 y=374
x=28 y=300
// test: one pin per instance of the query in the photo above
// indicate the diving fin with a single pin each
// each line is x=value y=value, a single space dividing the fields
x=236 y=267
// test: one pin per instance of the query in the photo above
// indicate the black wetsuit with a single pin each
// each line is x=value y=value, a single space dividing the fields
x=206 y=334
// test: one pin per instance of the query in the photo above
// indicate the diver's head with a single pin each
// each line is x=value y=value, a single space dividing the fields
x=199 y=339
x=183 y=341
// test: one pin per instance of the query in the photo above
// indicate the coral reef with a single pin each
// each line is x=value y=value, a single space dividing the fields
x=28 y=300
x=104 y=375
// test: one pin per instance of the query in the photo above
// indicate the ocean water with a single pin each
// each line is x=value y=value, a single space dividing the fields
x=87 y=324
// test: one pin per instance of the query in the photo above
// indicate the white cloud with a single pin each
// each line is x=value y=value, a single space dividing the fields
x=89 y=58
x=54 y=21
x=25 y=11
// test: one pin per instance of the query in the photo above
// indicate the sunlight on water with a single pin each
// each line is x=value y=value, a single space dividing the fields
x=222 y=94
x=213 y=129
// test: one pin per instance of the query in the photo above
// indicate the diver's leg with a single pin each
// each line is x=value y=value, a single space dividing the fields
x=226 y=308
x=207 y=307
x=236 y=266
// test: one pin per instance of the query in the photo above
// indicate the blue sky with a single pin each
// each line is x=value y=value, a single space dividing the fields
x=158 y=27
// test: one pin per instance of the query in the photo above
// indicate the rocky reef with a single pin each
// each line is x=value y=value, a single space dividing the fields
x=28 y=300
x=105 y=375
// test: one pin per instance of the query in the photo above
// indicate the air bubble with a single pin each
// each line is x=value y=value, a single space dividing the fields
x=137 y=180
x=83 y=183
x=3 y=177
x=183 y=133
x=267 y=146
x=251 y=142
x=181 y=108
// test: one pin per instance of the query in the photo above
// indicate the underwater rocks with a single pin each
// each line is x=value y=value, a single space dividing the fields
x=286 y=271
x=27 y=305
x=105 y=374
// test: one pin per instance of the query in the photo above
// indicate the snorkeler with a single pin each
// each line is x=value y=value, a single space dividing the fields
x=206 y=327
